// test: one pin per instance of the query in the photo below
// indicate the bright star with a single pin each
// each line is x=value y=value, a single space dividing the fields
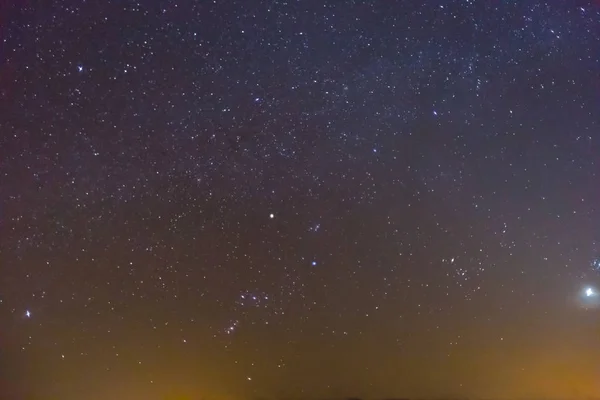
x=80 y=68
x=27 y=314
x=589 y=297
x=271 y=216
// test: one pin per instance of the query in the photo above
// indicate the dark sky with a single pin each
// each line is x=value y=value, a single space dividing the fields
x=238 y=199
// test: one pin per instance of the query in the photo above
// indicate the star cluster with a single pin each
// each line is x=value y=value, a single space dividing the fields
x=234 y=198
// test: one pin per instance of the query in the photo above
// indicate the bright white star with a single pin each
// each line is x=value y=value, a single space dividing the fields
x=589 y=292
x=27 y=314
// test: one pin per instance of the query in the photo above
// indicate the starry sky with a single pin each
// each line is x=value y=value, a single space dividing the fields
x=242 y=199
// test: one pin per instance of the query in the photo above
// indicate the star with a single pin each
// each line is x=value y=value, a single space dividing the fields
x=28 y=314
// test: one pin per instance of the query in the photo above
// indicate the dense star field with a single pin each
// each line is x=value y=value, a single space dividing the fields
x=240 y=199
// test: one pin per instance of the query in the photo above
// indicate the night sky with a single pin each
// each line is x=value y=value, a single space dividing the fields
x=228 y=200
